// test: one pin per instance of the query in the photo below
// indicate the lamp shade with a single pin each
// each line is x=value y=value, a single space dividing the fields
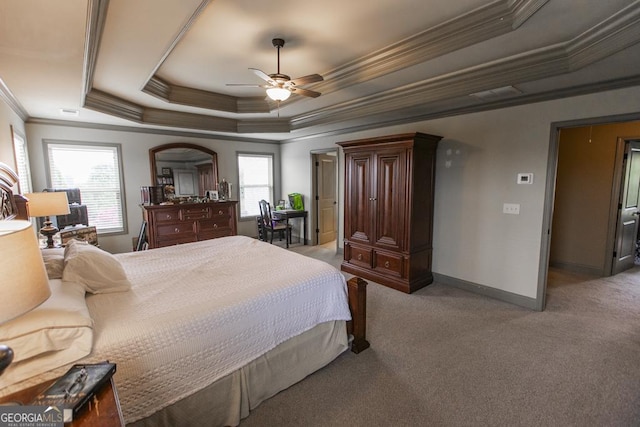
x=48 y=203
x=278 y=93
x=24 y=284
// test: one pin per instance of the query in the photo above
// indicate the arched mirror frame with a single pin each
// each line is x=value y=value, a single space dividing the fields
x=160 y=148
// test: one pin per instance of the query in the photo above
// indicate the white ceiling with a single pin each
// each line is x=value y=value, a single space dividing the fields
x=164 y=64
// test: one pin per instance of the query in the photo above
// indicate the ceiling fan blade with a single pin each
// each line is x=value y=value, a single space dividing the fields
x=247 y=85
x=305 y=92
x=311 y=78
x=263 y=75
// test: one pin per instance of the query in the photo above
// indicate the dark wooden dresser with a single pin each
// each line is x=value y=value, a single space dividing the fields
x=189 y=222
x=388 y=202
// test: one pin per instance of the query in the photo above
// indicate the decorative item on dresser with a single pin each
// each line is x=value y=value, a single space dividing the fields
x=189 y=222
x=48 y=204
x=389 y=191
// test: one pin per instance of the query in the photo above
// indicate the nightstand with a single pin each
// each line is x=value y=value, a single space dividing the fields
x=105 y=413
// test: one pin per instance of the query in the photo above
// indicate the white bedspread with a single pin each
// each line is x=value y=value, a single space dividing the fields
x=199 y=311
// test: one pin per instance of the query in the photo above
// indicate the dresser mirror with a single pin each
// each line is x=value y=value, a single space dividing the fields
x=183 y=169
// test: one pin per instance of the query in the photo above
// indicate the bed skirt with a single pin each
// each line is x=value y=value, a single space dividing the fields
x=229 y=400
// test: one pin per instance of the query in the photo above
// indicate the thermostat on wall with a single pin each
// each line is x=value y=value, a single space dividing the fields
x=525 y=178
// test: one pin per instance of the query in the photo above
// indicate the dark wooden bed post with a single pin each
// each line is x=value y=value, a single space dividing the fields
x=357 y=327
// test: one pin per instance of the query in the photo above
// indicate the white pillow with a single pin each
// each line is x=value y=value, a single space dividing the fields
x=54 y=262
x=56 y=333
x=99 y=271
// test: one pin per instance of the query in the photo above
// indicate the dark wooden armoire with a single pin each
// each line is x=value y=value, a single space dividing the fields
x=388 y=202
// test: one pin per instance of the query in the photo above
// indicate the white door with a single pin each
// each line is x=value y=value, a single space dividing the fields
x=327 y=198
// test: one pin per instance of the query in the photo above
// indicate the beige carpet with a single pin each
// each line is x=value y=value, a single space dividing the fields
x=446 y=357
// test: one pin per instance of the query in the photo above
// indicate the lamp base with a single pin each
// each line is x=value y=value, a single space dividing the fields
x=49 y=230
x=6 y=357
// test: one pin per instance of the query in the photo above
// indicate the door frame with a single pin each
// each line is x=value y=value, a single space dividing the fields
x=550 y=189
x=314 y=192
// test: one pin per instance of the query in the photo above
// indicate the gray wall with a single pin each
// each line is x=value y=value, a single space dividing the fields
x=478 y=161
x=7 y=119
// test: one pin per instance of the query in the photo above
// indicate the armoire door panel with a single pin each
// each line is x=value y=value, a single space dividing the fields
x=359 y=216
x=389 y=199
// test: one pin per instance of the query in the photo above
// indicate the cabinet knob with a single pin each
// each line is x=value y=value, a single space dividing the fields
x=177 y=230
x=215 y=225
x=359 y=257
x=386 y=264
x=220 y=212
x=168 y=216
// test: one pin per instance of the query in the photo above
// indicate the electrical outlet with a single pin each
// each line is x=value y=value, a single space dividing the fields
x=511 y=208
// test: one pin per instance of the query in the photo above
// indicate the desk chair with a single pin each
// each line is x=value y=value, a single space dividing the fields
x=271 y=225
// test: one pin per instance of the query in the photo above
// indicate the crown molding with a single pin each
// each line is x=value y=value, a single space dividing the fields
x=109 y=104
x=423 y=113
x=7 y=96
x=618 y=32
x=486 y=22
x=608 y=37
x=147 y=130
x=96 y=17
x=183 y=95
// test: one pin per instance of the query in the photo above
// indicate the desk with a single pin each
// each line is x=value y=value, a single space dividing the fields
x=292 y=213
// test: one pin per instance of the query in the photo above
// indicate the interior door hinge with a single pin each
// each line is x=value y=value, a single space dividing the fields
x=615 y=254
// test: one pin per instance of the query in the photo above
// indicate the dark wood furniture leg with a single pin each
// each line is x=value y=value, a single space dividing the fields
x=304 y=225
x=357 y=327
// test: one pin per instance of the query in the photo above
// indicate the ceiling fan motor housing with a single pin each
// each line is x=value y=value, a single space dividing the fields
x=280 y=78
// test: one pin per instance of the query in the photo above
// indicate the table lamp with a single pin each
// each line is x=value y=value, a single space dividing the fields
x=47 y=204
x=24 y=284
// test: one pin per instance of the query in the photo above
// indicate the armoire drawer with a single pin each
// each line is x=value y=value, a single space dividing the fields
x=359 y=256
x=388 y=263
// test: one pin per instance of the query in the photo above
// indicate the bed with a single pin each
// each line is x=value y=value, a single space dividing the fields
x=201 y=333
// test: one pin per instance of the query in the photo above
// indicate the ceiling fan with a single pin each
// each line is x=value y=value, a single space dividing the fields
x=280 y=86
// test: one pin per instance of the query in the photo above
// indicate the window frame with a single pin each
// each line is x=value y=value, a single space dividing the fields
x=272 y=185
x=25 y=154
x=90 y=145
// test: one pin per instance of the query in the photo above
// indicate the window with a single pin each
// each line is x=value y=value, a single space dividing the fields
x=22 y=162
x=96 y=170
x=255 y=180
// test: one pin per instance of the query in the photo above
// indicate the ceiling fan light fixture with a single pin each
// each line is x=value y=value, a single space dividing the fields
x=278 y=93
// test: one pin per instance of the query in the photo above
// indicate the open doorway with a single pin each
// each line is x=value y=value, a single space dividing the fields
x=325 y=198
x=585 y=179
